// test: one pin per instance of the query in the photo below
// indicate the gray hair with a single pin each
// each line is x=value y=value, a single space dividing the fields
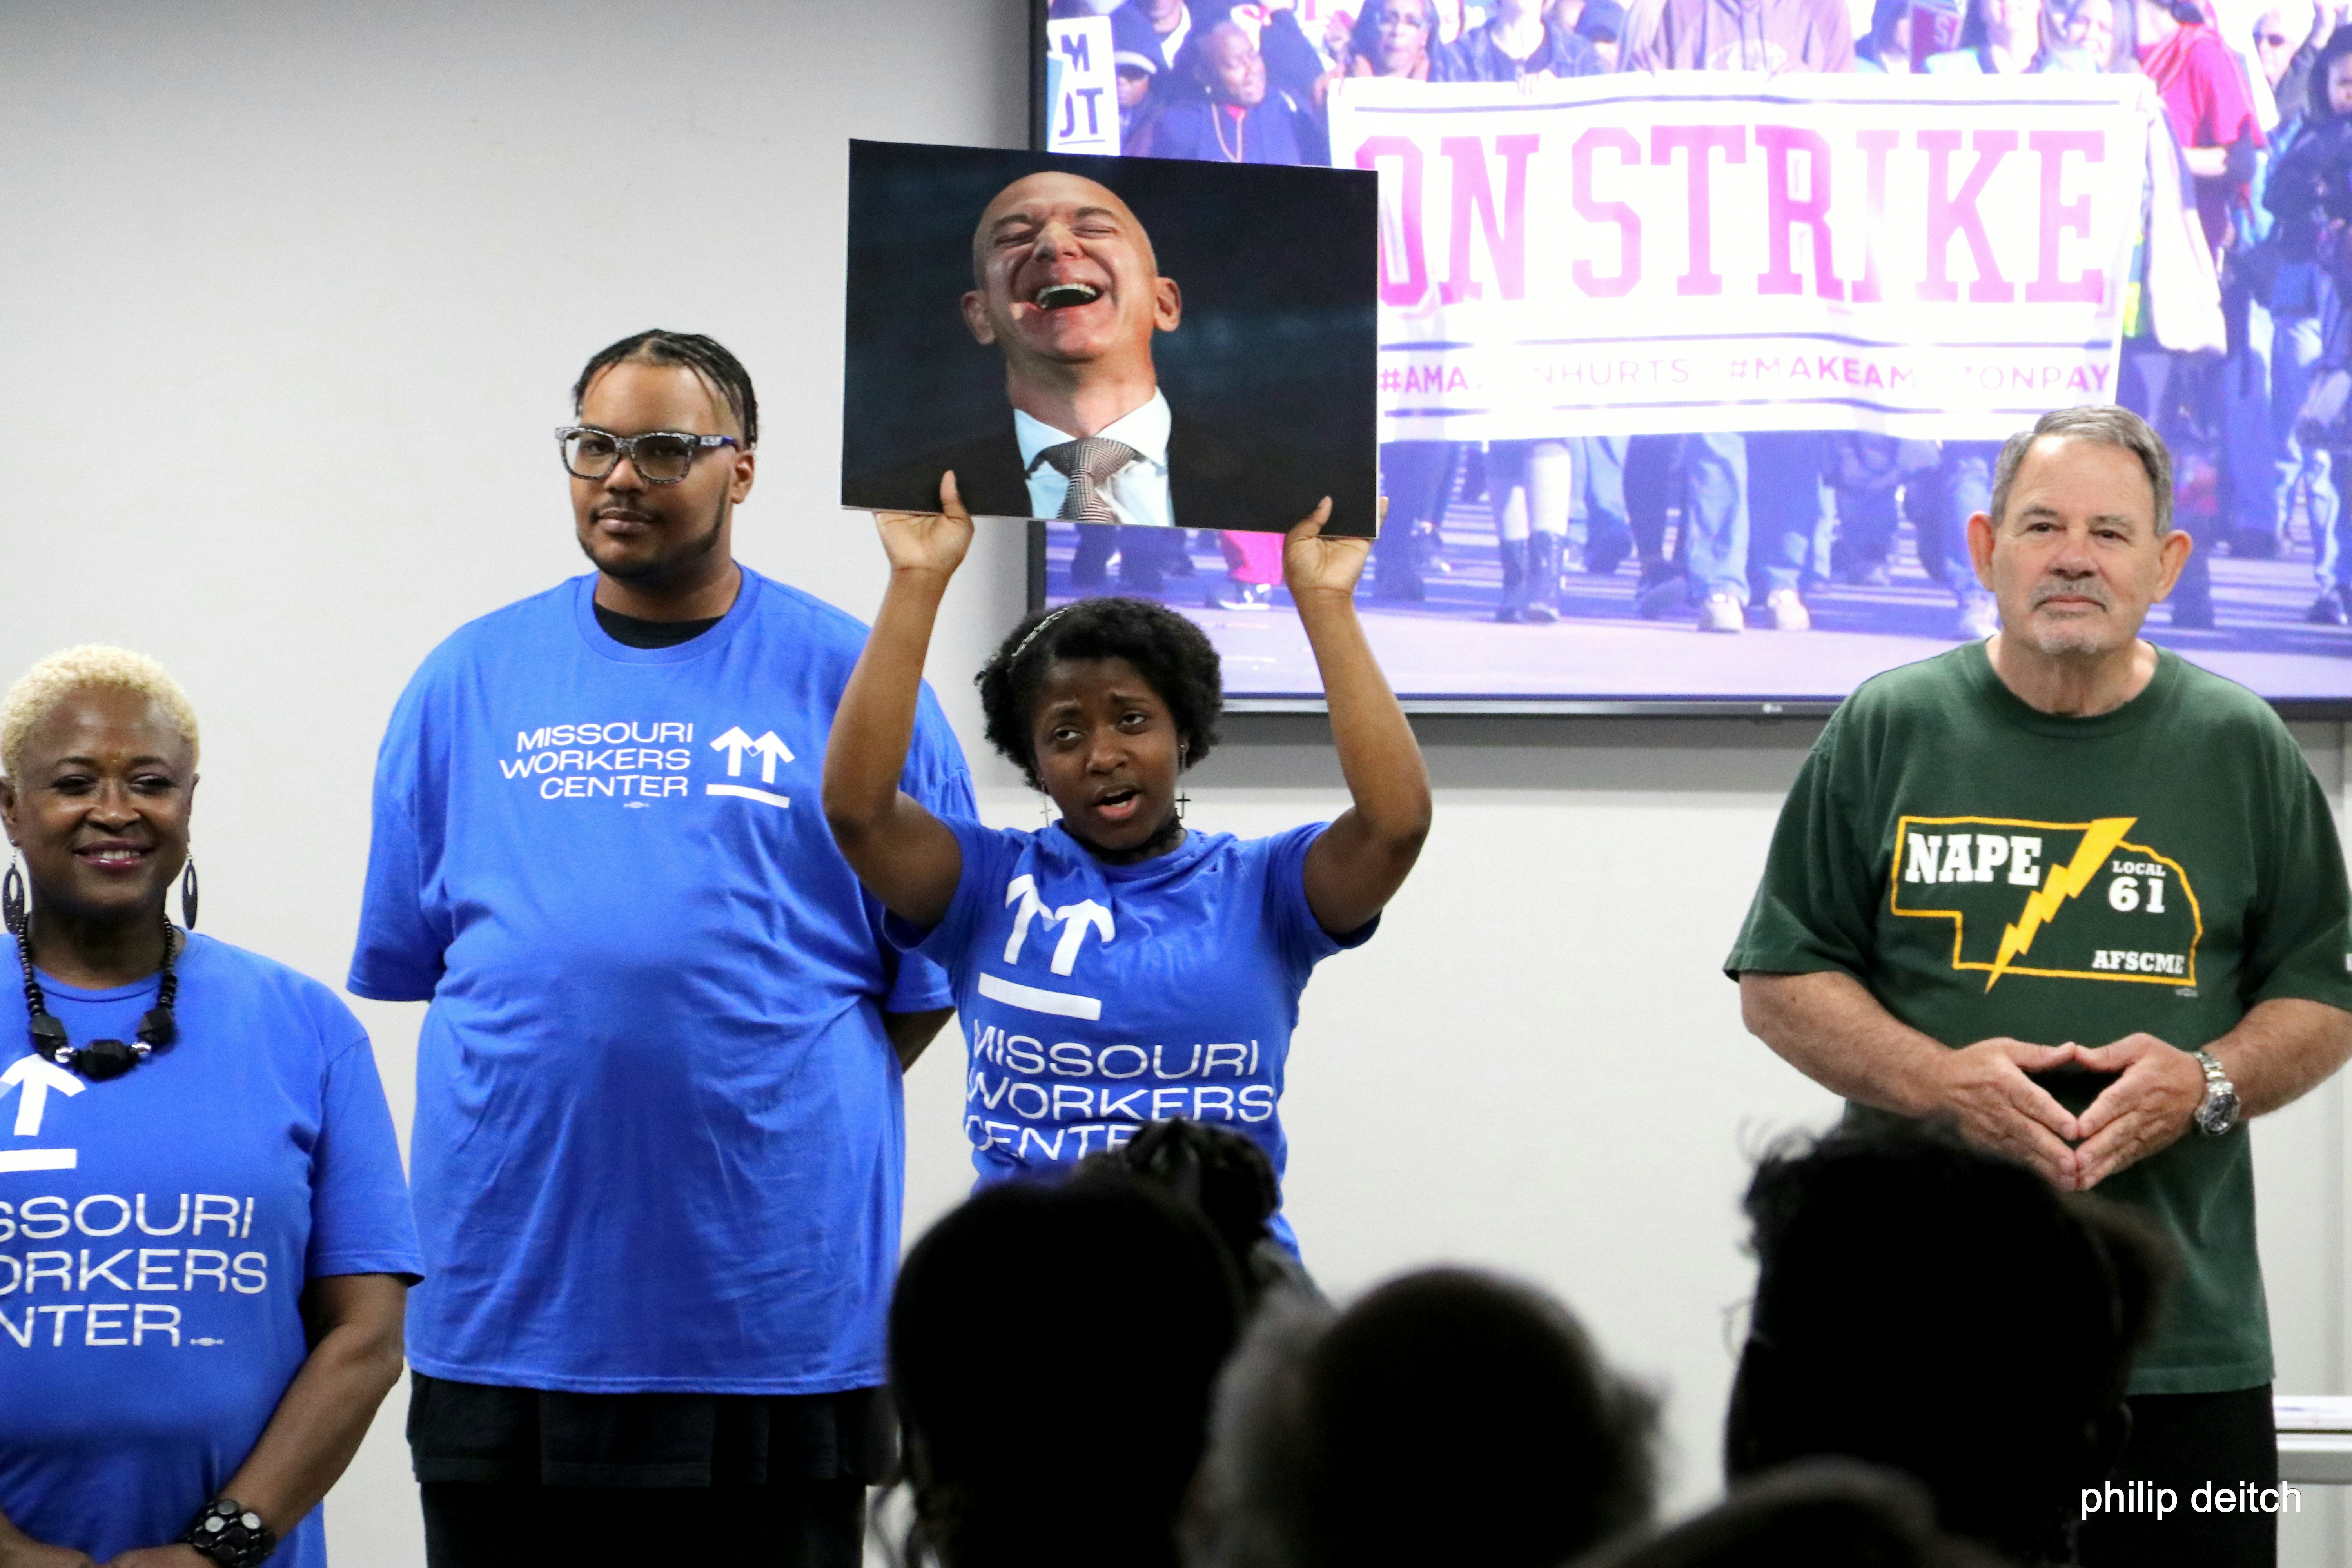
x=2105 y=424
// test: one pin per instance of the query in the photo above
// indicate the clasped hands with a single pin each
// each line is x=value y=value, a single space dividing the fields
x=1985 y=1088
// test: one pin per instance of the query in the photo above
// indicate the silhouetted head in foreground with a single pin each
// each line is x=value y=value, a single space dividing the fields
x=1819 y=1513
x=1448 y=1417
x=1232 y=1181
x=1052 y=1349
x=1930 y=1307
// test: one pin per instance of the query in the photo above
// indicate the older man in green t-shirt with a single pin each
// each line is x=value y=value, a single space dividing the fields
x=2085 y=901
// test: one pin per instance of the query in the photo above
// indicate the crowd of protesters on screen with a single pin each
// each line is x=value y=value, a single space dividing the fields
x=2256 y=419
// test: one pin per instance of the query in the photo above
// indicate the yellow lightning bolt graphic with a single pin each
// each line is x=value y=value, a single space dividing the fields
x=2063 y=883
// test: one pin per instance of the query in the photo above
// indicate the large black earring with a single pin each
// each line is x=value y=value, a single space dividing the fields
x=188 y=895
x=1182 y=800
x=13 y=906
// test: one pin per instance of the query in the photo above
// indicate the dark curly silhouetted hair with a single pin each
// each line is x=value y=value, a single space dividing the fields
x=1448 y=1417
x=1054 y=1348
x=707 y=357
x=1165 y=648
x=1223 y=1175
x=1883 y=1253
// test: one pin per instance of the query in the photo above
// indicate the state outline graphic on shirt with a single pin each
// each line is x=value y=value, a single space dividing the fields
x=2132 y=934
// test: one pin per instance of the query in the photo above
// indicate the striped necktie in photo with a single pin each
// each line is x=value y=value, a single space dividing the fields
x=1087 y=462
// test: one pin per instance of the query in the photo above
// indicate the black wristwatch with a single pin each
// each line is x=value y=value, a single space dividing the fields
x=230 y=1534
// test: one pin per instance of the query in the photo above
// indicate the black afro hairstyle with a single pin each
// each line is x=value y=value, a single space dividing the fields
x=1169 y=651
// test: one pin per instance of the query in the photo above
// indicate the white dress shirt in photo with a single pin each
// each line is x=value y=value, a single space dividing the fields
x=1138 y=493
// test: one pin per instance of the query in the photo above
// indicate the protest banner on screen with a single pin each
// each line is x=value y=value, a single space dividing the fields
x=1943 y=258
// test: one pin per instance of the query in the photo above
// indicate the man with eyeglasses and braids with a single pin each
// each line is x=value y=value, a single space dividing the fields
x=659 y=1136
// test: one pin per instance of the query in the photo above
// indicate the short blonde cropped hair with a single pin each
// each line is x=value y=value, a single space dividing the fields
x=91 y=667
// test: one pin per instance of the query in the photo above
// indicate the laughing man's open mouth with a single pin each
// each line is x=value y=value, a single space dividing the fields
x=1056 y=296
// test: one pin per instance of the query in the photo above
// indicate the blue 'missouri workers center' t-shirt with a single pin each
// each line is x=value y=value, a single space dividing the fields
x=659 y=1136
x=1096 y=998
x=157 y=1230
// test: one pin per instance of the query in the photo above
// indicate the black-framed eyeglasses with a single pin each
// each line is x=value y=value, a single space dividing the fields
x=660 y=457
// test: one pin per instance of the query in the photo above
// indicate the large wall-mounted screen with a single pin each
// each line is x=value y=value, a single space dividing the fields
x=1695 y=352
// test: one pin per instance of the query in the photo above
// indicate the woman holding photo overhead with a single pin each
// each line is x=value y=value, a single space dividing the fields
x=1117 y=968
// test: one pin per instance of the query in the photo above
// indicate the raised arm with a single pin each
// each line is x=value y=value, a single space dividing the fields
x=1357 y=865
x=898 y=849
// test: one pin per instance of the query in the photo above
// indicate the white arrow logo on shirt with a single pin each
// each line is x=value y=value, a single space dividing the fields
x=769 y=749
x=1078 y=917
x=1075 y=921
x=734 y=743
x=1022 y=890
x=771 y=752
x=36 y=1076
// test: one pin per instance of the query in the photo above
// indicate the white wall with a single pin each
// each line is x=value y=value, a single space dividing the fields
x=290 y=297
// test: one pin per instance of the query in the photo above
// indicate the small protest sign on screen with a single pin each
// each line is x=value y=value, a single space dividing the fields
x=1082 y=100
x=1129 y=340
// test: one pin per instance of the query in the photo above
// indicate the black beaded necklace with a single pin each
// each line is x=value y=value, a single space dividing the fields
x=103 y=1060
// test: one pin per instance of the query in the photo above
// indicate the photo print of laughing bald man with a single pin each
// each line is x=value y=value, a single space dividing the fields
x=1134 y=344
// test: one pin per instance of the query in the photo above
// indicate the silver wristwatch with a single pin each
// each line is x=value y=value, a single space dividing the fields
x=2218 y=1112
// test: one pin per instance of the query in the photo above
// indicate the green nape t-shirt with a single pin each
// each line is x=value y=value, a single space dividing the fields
x=1986 y=869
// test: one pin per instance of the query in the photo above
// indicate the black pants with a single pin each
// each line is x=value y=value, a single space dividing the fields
x=1145 y=556
x=516 y=1477
x=2221 y=1442
x=783 y=1524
